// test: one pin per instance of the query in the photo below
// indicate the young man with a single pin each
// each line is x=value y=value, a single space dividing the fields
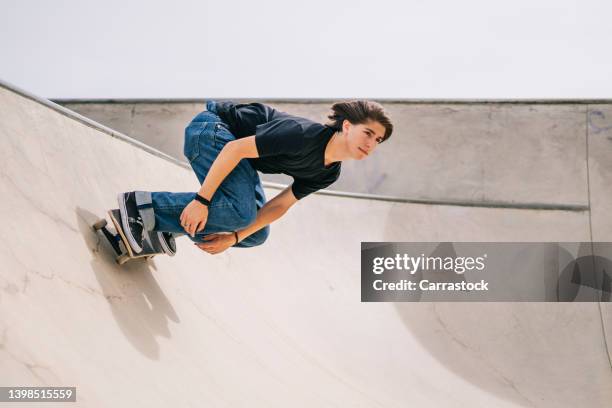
x=226 y=146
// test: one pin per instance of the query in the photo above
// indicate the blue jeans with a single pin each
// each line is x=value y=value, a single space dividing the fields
x=235 y=203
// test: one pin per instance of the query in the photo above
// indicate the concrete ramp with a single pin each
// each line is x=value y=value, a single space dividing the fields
x=280 y=325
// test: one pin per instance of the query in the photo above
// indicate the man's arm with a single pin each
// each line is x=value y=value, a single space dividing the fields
x=270 y=212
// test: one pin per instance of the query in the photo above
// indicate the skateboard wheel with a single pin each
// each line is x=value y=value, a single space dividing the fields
x=100 y=224
x=122 y=259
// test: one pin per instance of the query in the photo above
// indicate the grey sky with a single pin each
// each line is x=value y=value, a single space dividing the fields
x=315 y=48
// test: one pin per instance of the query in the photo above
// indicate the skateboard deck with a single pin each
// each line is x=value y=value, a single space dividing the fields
x=119 y=241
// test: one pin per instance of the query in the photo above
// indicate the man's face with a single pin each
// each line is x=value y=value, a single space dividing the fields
x=363 y=138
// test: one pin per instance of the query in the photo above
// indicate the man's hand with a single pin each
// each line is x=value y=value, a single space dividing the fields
x=216 y=243
x=193 y=217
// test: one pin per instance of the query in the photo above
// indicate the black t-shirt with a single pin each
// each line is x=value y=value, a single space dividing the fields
x=285 y=143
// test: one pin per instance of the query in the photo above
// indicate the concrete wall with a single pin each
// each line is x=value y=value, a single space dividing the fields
x=497 y=153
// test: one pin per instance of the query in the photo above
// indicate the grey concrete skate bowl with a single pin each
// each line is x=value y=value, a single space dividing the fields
x=277 y=325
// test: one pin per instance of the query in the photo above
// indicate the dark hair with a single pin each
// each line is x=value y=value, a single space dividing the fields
x=359 y=112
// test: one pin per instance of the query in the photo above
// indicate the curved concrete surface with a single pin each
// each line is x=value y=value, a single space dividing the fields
x=274 y=326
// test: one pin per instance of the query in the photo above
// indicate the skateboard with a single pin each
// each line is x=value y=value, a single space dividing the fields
x=119 y=241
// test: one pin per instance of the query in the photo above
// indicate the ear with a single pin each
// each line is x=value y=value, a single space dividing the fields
x=345 y=125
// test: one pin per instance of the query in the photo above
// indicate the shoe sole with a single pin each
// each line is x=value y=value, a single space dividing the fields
x=126 y=228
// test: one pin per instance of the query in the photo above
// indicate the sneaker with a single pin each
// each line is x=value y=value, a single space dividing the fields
x=168 y=244
x=131 y=221
x=154 y=238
